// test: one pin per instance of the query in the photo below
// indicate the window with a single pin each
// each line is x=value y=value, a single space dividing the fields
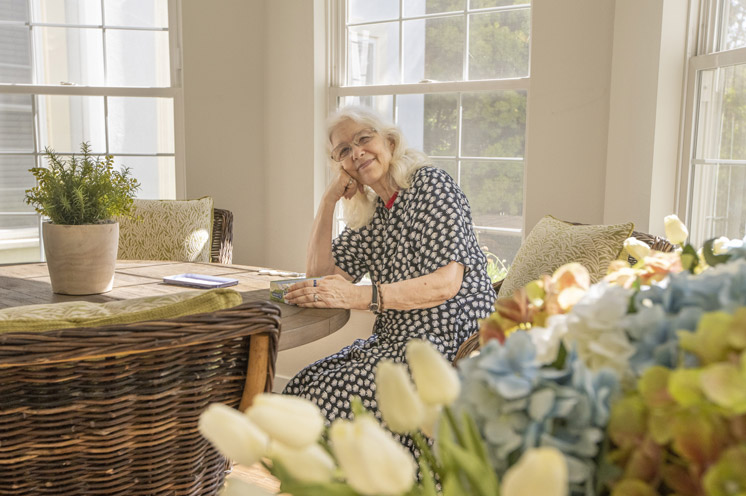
x=100 y=71
x=714 y=178
x=454 y=75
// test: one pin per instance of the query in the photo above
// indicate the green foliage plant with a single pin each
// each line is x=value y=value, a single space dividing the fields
x=82 y=190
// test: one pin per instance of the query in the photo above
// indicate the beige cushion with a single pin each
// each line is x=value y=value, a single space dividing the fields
x=177 y=230
x=86 y=314
x=553 y=243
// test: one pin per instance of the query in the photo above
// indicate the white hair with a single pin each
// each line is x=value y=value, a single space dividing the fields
x=359 y=210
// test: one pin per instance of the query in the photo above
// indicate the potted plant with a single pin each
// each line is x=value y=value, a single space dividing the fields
x=81 y=196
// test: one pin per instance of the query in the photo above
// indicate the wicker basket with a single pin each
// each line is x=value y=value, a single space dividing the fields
x=221 y=250
x=113 y=410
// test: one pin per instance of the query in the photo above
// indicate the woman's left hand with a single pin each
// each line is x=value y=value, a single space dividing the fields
x=328 y=292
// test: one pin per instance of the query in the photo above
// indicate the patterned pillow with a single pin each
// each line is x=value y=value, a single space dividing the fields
x=178 y=230
x=553 y=243
x=49 y=316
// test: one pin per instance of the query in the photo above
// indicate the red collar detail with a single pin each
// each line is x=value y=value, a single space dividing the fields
x=390 y=203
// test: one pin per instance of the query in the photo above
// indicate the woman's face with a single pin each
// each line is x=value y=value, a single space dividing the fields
x=370 y=154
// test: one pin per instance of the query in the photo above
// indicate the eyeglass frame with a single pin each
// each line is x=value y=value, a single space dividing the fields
x=355 y=142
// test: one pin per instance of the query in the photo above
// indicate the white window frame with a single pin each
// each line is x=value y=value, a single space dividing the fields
x=337 y=52
x=706 y=55
x=174 y=92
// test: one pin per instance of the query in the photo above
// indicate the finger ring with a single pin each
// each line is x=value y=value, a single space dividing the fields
x=315 y=297
x=314 y=283
x=349 y=183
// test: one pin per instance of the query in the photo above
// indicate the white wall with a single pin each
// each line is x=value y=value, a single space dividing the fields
x=224 y=52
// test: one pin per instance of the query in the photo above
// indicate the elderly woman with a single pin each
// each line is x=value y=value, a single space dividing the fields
x=409 y=228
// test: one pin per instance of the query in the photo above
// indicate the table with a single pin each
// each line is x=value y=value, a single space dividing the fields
x=28 y=284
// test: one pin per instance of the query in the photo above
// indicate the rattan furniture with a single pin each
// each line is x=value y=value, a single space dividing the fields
x=655 y=242
x=113 y=410
x=222 y=236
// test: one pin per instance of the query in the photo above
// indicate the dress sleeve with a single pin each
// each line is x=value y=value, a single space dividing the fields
x=443 y=223
x=347 y=254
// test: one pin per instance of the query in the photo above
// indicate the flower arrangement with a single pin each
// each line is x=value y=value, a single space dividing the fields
x=81 y=190
x=634 y=386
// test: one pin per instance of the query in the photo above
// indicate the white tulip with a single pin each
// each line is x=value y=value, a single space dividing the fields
x=676 y=231
x=237 y=487
x=540 y=471
x=371 y=460
x=295 y=422
x=233 y=434
x=397 y=399
x=436 y=379
x=430 y=422
x=720 y=245
x=309 y=464
x=636 y=248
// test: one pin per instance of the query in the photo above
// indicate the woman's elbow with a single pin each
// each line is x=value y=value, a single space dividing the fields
x=453 y=278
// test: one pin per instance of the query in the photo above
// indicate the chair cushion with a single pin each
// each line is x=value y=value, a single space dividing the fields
x=86 y=314
x=179 y=230
x=553 y=243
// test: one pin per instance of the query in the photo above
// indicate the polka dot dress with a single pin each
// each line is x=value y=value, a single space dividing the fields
x=428 y=226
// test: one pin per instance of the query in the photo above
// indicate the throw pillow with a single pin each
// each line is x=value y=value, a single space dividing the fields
x=553 y=243
x=178 y=230
x=68 y=314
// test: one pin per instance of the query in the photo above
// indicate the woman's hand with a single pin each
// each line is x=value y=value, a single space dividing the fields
x=343 y=186
x=329 y=292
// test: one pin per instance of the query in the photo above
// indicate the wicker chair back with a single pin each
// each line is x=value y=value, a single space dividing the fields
x=113 y=410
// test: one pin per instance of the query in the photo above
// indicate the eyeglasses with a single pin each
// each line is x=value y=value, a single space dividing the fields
x=343 y=150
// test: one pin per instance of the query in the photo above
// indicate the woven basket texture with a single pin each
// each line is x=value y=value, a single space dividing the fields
x=221 y=250
x=113 y=410
x=655 y=242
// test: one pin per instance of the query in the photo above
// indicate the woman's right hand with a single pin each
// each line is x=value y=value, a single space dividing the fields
x=343 y=186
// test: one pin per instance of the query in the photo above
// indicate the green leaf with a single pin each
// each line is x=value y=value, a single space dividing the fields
x=689 y=258
x=710 y=257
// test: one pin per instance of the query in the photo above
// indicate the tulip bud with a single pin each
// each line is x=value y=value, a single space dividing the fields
x=371 y=460
x=397 y=399
x=295 y=422
x=237 y=487
x=676 y=231
x=539 y=471
x=636 y=248
x=310 y=464
x=430 y=422
x=436 y=379
x=233 y=434
x=720 y=245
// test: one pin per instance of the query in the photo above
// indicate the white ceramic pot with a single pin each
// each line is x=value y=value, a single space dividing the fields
x=81 y=259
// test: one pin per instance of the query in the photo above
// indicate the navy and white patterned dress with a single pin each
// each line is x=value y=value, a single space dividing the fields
x=428 y=226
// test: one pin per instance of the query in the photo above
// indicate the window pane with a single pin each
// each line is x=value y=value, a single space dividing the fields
x=14 y=10
x=384 y=104
x=19 y=238
x=433 y=49
x=734 y=24
x=449 y=166
x=366 y=11
x=141 y=125
x=373 y=54
x=67 y=121
x=15 y=179
x=495 y=192
x=430 y=122
x=16 y=123
x=483 y=4
x=718 y=208
x=69 y=55
x=499 y=245
x=137 y=58
x=494 y=124
x=68 y=12
x=420 y=7
x=157 y=175
x=498 y=44
x=15 y=54
x=136 y=13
